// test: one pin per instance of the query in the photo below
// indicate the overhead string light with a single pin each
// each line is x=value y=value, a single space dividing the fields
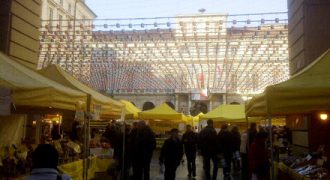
x=159 y=40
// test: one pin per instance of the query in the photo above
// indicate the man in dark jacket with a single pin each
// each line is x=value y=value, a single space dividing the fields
x=189 y=140
x=143 y=143
x=171 y=154
x=209 y=149
x=226 y=148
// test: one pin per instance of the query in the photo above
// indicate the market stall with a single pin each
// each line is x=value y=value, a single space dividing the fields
x=99 y=102
x=102 y=107
x=232 y=114
x=162 y=119
x=30 y=93
x=305 y=100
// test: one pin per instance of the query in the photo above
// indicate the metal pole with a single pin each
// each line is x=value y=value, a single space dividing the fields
x=122 y=118
x=86 y=138
x=271 y=146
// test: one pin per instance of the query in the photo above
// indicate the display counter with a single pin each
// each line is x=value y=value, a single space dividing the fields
x=75 y=169
x=287 y=173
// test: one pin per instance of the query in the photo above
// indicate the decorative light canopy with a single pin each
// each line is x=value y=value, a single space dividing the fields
x=220 y=53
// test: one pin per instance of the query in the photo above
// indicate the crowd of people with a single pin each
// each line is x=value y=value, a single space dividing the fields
x=240 y=155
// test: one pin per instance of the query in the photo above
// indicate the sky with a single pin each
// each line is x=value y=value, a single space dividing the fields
x=110 y=9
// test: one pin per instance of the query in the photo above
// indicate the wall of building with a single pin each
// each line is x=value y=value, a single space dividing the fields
x=309 y=35
x=20 y=23
x=140 y=99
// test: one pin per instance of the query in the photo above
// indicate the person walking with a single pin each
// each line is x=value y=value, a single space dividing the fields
x=244 y=156
x=225 y=140
x=208 y=146
x=258 y=157
x=236 y=137
x=143 y=143
x=44 y=164
x=171 y=154
x=252 y=131
x=189 y=140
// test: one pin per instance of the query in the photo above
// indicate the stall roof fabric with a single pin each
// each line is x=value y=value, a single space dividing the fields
x=131 y=111
x=162 y=112
x=226 y=113
x=32 y=89
x=305 y=92
x=57 y=74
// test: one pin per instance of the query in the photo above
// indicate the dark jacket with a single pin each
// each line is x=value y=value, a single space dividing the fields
x=143 y=144
x=207 y=141
x=171 y=152
x=225 y=142
x=189 y=140
x=236 y=141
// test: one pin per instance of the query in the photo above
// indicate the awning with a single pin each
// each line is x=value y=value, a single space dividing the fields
x=162 y=112
x=32 y=89
x=226 y=113
x=305 y=92
x=108 y=105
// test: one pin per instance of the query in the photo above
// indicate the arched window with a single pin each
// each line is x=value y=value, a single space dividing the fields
x=147 y=106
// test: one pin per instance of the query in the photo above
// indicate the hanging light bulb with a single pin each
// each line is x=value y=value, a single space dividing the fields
x=262 y=21
x=277 y=20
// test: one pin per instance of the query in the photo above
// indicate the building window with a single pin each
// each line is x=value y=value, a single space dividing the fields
x=50 y=16
x=69 y=8
x=60 y=19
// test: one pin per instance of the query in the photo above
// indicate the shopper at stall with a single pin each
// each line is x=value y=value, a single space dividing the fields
x=44 y=164
x=225 y=141
x=143 y=143
x=208 y=146
x=189 y=140
x=171 y=154
x=56 y=134
x=258 y=157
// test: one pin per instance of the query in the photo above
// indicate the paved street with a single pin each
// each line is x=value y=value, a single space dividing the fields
x=182 y=171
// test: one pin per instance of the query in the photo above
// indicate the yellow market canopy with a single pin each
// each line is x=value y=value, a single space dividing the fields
x=108 y=105
x=307 y=91
x=227 y=113
x=32 y=89
x=131 y=111
x=162 y=112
